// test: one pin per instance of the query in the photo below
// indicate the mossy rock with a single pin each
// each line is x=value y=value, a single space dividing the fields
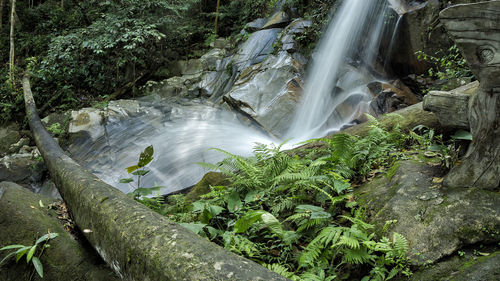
x=23 y=220
x=466 y=268
x=203 y=186
x=437 y=221
x=8 y=135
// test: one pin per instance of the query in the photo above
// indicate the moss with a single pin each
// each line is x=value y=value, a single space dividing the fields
x=476 y=260
x=391 y=172
x=203 y=186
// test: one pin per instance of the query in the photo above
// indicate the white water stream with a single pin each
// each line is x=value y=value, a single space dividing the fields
x=335 y=94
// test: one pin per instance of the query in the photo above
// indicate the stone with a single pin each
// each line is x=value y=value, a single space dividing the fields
x=268 y=92
x=437 y=222
x=255 y=25
x=9 y=135
x=14 y=148
x=279 y=20
x=23 y=169
x=256 y=49
x=389 y=97
x=87 y=119
x=203 y=186
x=476 y=30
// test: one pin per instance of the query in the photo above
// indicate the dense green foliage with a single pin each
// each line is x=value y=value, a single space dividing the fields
x=448 y=66
x=298 y=215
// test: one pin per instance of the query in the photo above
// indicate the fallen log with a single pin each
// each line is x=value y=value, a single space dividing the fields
x=136 y=242
x=23 y=220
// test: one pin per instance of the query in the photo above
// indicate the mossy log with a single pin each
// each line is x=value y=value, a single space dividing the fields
x=136 y=242
x=406 y=118
x=22 y=221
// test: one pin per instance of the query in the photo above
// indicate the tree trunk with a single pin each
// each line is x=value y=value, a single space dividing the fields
x=1 y=14
x=23 y=220
x=217 y=16
x=136 y=242
x=11 y=53
x=476 y=30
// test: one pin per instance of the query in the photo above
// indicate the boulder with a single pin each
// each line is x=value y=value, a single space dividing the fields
x=268 y=92
x=256 y=49
x=9 y=135
x=26 y=169
x=278 y=20
x=389 y=97
x=437 y=221
x=23 y=220
x=255 y=25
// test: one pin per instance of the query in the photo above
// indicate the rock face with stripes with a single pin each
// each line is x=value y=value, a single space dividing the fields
x=476 y=30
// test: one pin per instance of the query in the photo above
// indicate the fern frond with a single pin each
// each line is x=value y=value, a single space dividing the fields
x=357 y=256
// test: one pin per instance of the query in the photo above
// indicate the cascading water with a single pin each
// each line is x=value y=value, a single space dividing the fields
x=335 y=94
x=325 y=90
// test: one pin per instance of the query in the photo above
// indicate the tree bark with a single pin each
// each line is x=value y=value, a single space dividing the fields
x=11 y=53
x=136 y=242
x=1 y=14
x=23 y=220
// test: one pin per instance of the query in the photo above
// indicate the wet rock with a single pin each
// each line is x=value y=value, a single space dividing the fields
x=87 y=119
x=256 y=49
x=220 y=43
x=14 y=148
x=278 y=20
x=391 y=97
x=436 y=221
x=255 y=25
x=9 y=135
x=49 y=189
x=25 y=169
x=268 y=92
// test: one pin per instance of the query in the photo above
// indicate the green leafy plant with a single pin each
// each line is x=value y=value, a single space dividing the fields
x=30 y=251
x=447 y=65
x=139 y=170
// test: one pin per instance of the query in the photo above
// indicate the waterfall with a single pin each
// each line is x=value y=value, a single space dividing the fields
x=342 y=42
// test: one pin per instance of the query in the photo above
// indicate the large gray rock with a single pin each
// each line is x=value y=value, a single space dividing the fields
x=436 y=221
x=25 y=169
x=268 y=92
x=256 y=49
x=9 y=135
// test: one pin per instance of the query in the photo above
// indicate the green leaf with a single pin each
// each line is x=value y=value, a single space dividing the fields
x=462 y=135
x=127 y=180
x=140 y=173
x=38 y=266
x=7 y=257
x=30 y=253
x=132 y=168
x=47 y=236
x=12 y=247
x=145 y=191
x=245 y=222
x=146 y=156
x=233 y=202
x=315 y=211
x=20 y=253
x=195 y=227
x=209 y=212
x=41 y=204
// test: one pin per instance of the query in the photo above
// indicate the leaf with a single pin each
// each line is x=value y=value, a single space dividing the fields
x=38 y=266
x=209 y=212
x=233 y=202
x=12 y=247
x=145 y=191
x=47 y=236
x=315 y=211
x=127 y=180
x=140 y=172
x=30 y=253
x=41 y=204
x=462 y=135
x=146 y=156
x=195 y=227
x=132 y=168
x=245 y=222
x=20 y=253
x=7 y=257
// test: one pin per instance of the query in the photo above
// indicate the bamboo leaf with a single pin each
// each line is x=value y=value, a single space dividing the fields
x=30 y=253
x=38 y=266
